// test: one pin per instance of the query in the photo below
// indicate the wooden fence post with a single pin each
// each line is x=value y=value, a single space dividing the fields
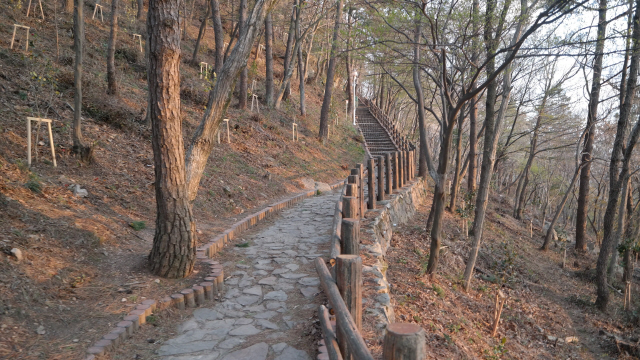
x=407 y=172
x=371 y=186
x=349 y=281
x=387 y=171
x=353 y=189
x=349 y=207
x=363 y=207
x=380 y=178
x=400 y=170
x=395 y=170
x=404 y=342
x=350 y=237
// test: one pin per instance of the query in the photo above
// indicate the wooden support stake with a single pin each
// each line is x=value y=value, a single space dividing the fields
x=564 y=257
x=627 y=295
x=400 y=169
x=13 y=38
x=371 y=186
x=531 y=229
x=35 y=7
x=501 y=299
x=53 y=150
x=349 y=280
x=357 y=180
x=363 y=206
x=294 y=132
x=350 y=236
x=98 y=6
x=380 y=178
x=388 y=174
x=404 y=342
x=394 y=156
x=254 y=98
x=329 y=335
x=228 y=133
x=349 y=207
x=140 y=42
x=204 y=66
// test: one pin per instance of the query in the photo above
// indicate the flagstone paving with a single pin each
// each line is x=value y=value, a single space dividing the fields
x=271 y=294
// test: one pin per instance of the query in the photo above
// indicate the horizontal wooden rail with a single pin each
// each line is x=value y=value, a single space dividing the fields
x=356 y=343
x=330 y=340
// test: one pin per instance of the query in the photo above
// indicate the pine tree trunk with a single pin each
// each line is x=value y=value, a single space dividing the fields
x=79 y=148
x=243 y=88
x=331 y=70
x=112 y=87
x=594 y=100
x=218 y=33
x=140 y=14
x=268 y=54
x=174 y=244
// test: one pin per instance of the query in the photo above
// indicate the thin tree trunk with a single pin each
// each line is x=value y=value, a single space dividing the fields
x=203 y=139
x=174 y=244
x=268 y=51
x=244 y=74
x=492 y=129
x=622 y=220
x=288 y=54
x=201 y=32
x=306 y=60
x=592 y=117
x=112 y=87
x=218 y=33
x=140 y=14
x=350 y=98
x=457 y=173
x=303 y=110
x=424 y=159
x=85 y=152
x=618 y=156
x=549 y=235
x=328 y=88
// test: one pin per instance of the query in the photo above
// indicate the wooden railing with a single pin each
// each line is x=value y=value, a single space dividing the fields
x=342 y=280
x=401 y=141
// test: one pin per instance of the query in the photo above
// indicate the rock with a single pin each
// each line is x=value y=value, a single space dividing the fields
x=255 y=290
x=17 y=253
x=290 y=353
x=267 y=314
x=277 y=348
x=230 y=343
x=245 y=300
x=254 y=352
x=227 y=190
x=383 y=299
x=293 y=275
x=292 y=267
x=323 y=187
x=266 y=324
x=552 y=338
x=306 y=183
x=309 y=292
x=40 y=330
x=309 y=281
x=175 y=349
x=280 y=271
x=207 y=314
x=276 y=295
x=244 y=321
x=271 y=280
x=245 y=330
x=80 y=192
x=571 y=339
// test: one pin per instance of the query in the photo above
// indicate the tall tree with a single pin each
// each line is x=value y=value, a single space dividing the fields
x=174 y=243
x=288 y=53
x=244 y=74
x=303 y=110
x=140 y=14
x=473 y=105
x=268 y=54
x=218 y=33
x=592 y=116
x=201 y=32
x=112 y=86
x=619 y=165
x=331 y=70
x=79 y=148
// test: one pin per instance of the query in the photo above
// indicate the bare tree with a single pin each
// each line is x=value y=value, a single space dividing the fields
x=242 y=84
x=112 y=86
x=328 y=88
x=218 y=33
x=79 y=148
x=268 y=54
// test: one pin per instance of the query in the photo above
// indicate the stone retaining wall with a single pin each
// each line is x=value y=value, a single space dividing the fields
x=377 y=231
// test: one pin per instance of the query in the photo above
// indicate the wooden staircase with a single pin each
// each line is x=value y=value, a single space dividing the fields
x=376 y=137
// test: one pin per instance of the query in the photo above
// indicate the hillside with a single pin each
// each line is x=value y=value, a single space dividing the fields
x=84 y=258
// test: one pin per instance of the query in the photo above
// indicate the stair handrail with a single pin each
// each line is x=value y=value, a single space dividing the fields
x=401 y=142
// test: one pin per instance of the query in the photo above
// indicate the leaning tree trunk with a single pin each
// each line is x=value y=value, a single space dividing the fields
x=328 y=86
x=112 y=87
x=619 y=156
x=549 y=234
x=218 y=33
x=140 y=14
x=174 y=244
x=268 y=54
x=201 y=32
x=79 y=148
x=288 y=54
x=244 y=74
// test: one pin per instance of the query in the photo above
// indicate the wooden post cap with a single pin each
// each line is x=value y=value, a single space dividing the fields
x=404 y=342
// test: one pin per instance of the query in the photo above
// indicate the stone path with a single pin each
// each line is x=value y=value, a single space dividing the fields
x=270 y=297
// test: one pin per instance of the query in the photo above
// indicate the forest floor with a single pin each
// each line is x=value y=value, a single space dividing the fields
x=84 y=258
x=549 y=313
